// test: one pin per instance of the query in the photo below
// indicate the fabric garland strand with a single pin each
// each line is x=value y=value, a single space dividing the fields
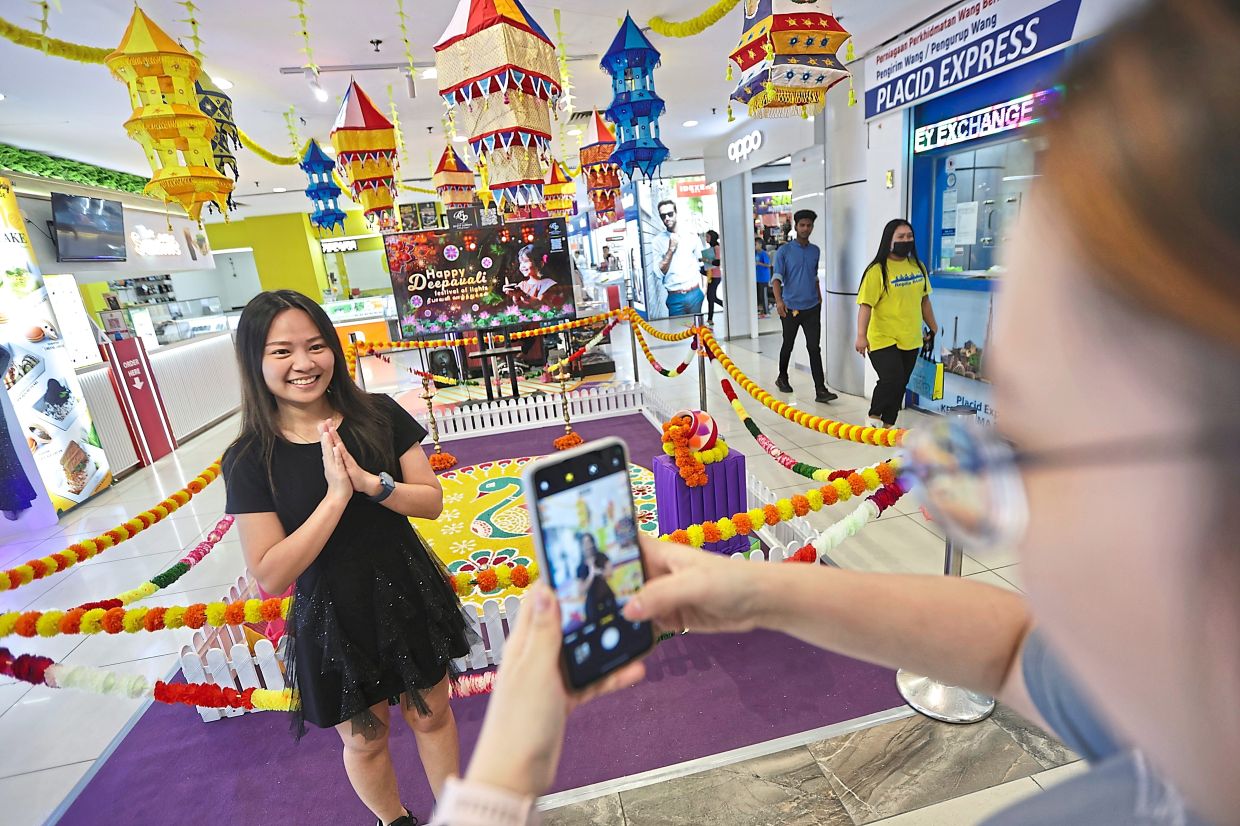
x=695 y=25
x=818 y=474
x=659 y=368
x=880 y=436
x=166 y=578
x=54 y=563
x=594 y=341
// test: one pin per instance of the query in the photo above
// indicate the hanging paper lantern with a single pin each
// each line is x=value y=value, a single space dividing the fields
x=322 y=191
x=166 y=119
x=453 y=180
x=560 y=191
x=218 y=106
x=602 y=175
x=365 y=143
x=635 y=109
x=787 y=57
x=498 y=66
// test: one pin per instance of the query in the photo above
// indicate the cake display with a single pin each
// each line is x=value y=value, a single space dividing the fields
x=57 y=402
x=18 y=369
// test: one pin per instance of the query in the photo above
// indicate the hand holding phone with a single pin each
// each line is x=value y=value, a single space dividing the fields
x=585 y=536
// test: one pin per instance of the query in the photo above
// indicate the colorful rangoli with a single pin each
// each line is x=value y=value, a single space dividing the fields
x=485 y=524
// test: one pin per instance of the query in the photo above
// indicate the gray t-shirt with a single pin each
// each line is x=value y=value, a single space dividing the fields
x=1120 y=789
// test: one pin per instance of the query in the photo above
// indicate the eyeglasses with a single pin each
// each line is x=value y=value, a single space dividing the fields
x=969 y=477
x=666 y=215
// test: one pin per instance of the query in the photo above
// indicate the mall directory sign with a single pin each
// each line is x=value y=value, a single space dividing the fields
x=490 y=276
x=39 y=379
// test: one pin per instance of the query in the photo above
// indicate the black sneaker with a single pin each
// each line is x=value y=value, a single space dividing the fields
x=782 y=385
x=407 y=819
x=824 y=395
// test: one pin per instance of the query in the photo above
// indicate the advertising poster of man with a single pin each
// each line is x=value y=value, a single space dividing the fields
x=673 y=217
x=492 y=276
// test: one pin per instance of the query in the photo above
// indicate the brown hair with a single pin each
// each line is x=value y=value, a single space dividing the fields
x=259 y=426
x=1143 y=160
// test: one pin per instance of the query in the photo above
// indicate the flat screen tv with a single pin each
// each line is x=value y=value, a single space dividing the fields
x=88 y=229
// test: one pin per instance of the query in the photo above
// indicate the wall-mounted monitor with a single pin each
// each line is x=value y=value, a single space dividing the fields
x=88 y=229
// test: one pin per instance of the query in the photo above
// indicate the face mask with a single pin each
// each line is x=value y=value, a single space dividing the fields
x=902 y=248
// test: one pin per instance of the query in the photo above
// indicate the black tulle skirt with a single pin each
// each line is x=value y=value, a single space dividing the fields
x=372 y=620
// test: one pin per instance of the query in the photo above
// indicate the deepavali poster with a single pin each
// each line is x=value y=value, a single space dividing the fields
x=491 y=276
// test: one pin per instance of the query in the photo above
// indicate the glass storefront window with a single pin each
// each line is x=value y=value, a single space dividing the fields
x=978 y=197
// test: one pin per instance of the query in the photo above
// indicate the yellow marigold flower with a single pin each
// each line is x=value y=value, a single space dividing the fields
x=215 y=614
x=174 y=617
x=92 y=621
x=48 y=625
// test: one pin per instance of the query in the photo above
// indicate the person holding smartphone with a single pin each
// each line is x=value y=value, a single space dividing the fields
x=323 y=479
x=1128 y=646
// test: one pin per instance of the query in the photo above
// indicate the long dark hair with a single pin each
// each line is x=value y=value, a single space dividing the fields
x=259 y=412
x=884 y=250
x=712 y=237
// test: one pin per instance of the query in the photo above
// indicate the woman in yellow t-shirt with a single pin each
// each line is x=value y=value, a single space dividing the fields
x=893 y=301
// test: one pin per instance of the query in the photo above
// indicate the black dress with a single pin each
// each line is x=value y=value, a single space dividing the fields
x=373 y=616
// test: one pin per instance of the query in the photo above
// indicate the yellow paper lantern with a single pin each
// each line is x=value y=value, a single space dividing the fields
x=166 y=119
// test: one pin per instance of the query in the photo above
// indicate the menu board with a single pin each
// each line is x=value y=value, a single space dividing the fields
x=495 y=276
x=38 y=374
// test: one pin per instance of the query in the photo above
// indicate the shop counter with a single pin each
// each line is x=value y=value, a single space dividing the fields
x=199 y=383
x=964 y=308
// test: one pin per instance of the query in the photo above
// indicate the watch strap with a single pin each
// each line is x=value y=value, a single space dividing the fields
x=387 y=486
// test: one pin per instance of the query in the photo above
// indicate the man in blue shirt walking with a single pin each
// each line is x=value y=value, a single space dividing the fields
x=799 y=303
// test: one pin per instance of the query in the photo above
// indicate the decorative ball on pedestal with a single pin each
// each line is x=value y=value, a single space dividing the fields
x=704 y=430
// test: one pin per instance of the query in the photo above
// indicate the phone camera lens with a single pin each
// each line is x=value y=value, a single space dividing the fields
x=543 y=486
x=593 y=470
x=615 y=462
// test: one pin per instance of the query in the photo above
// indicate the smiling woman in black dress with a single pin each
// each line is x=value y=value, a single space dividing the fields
x=323 y=480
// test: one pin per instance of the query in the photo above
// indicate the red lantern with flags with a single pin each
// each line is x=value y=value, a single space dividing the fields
x=602 y=175
x=453 y=180
x=365 y=143
x=497 y=66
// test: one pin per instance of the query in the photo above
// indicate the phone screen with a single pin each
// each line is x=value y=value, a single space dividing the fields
x=589 y=539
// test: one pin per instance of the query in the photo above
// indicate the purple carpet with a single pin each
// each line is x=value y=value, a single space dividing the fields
x=704 y=695
x=643 y=439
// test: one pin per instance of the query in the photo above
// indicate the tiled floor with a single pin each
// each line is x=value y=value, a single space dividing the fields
x=52 y=738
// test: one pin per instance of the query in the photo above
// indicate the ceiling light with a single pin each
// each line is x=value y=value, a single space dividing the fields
x=460 y=139
x=329 y=149
x=574 y=131
x=320 y=94
x=280 y=189
x=430 y=74
x=1 y=95
x=222 y=82
x=689 y=123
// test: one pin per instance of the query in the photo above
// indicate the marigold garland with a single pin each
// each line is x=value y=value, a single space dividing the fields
x=491 y=579
x=594 y=341
x=566 y=325
x=642 y=324
x=888 y=437
x=831 y=537
x=117 y=619
x=840 y=489
x=54 y=563
x=165 y=578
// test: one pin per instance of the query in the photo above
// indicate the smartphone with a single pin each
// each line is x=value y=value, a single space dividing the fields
x=580 y=503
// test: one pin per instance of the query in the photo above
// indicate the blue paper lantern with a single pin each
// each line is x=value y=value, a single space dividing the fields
x=635 y=107
x=322 y=191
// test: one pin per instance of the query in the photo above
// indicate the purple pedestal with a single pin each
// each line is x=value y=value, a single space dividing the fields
x=723 y=495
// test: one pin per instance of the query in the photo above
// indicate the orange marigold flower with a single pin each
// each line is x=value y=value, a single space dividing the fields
x=114 y=620
x=25 y=625
x=885 y=474
x=234 y=614
x=146 y=519
x=800 y=505
x=680 y=536
x=154 y=619
x=269 y=610
x=71 y=622
x=711 y=531
x=772 y=514
x=521 y=576
x=829 y=494
x=194 y=486
x=62 y=561
x=39 y=566
x=856 y=483
x=196 y=615
x=487 y=580
x=742 y=523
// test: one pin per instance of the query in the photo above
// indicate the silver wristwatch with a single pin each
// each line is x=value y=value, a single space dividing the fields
x=387 y=483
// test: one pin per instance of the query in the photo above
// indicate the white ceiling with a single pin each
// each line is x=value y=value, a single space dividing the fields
x=76 y=110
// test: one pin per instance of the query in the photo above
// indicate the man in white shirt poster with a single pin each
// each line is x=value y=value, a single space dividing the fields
x=677 y=258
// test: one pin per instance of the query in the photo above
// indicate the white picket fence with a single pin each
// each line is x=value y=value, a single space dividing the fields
x=507 y=414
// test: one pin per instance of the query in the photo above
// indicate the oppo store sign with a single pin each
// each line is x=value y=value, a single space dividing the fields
x=740 y=149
